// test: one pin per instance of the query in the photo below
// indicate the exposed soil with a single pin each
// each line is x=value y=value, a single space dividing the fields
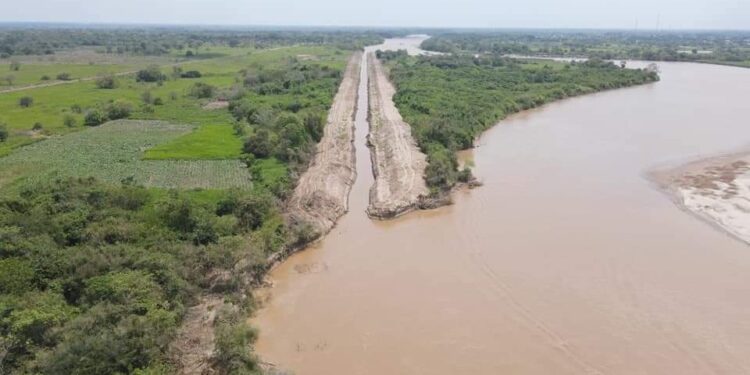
x=716 y=190
x=193 y=348
x=321 y=196
x=397 y=162
x=218 y=104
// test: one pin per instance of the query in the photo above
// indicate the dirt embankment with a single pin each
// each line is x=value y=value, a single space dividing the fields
x=322 y=193
x=716 y=190
x=397 y=163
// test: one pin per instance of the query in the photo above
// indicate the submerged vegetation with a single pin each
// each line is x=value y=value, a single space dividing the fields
x=449 y=100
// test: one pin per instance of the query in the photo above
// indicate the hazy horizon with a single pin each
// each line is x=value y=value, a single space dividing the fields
x=532 y=14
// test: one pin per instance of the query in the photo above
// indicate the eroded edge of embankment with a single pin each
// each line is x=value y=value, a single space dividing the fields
x=322 y=194
x=398 y=164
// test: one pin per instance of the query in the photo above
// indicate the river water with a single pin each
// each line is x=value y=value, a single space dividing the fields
x=566 y=261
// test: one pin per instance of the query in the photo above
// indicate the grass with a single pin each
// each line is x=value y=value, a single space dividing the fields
x=113 y=152
x=51 y=104
x=206 y=142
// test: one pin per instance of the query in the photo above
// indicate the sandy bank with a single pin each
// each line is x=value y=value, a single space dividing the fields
x=716 y=190
x=397 y=163
x=321 y=195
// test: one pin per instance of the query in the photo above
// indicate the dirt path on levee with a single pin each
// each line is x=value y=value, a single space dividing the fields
x=397 y=162
x=322 y=194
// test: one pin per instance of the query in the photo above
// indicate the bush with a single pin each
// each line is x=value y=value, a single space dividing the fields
x=258 y=144
x=150 y=74
x=118 y=109
x=15 y=66
x=146 y=97
x=158 y=101
x=26 y=101
x=45 y=78
x=106 y=81
x=37 y=126
x=202 y=90
x=64 y=77
x=94 y=117
x=191 y=74
x=69 y=121
x=3 y=132
x=76 y=108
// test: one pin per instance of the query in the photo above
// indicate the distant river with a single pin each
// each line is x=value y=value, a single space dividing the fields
x=566 y=261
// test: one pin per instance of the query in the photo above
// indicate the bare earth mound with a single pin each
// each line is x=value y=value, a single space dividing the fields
x=397 y=163
x=716 y=190
x=321 y=196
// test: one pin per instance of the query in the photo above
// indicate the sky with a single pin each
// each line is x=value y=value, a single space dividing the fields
x=623 y=14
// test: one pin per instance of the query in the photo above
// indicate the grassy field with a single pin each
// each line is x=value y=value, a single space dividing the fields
x=207 y=142
x=113 y=152
x=52 y=104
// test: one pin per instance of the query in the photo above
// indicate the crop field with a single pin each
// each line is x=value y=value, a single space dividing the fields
x=113 y=152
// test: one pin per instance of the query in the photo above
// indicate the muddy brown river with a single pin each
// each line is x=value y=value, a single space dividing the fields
x=566 y=261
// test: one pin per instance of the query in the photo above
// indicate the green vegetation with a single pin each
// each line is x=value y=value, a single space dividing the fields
x=110 y=230
x=449 y=100
x=716 y=47
x=114 y=152
x=95 y=278
x=206 y=142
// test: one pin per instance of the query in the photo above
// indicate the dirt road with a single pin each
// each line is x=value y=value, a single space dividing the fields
x=397 y=163
x=322 y=194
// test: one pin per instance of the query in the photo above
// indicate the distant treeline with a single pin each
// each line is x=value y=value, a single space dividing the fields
x=449 y=100
x=720 y=47
x=158 y=41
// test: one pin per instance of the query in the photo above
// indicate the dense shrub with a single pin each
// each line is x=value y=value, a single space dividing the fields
x=191 y=74
x=106 y=81
x=151 y=74
x=118 y=109
x=64 y=77
x=95 y=279
x=25 y=101
x=202 y=90
x=94 y=117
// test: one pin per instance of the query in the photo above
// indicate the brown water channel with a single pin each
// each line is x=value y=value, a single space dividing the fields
x=566 y=261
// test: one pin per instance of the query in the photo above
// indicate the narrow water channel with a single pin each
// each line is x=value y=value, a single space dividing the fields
x=567 y=260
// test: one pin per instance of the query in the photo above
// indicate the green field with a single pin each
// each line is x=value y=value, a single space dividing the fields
x=206 y=142
x=113 y=152
x=51 y=104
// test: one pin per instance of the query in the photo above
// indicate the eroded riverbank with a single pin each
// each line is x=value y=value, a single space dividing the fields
x=322 y=193
x=397 y=162
x=567 y=261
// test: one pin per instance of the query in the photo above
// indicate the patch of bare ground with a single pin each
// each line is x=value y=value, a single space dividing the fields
x=193 y=348
x=321 y=195
x=716 y=190
x=218 y=104
x=398 y=164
